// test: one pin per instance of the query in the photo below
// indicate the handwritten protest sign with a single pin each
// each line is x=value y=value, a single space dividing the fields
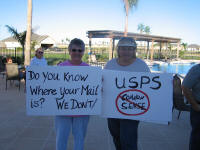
x=137 y=96
x=62 y=90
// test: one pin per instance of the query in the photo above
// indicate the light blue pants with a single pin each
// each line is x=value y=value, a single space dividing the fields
x=63 y=125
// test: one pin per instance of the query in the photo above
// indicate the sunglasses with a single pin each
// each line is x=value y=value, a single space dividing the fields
x=77 y=50
x=126 y=48
x=40 y=52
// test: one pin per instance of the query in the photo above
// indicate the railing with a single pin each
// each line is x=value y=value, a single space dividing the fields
x=102 y=53
x=98 y=64
x=12 y=52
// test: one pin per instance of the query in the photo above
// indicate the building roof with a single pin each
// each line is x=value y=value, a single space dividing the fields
x=193 y=46
x=2 y=44
x=138 y=37
x=34 y=37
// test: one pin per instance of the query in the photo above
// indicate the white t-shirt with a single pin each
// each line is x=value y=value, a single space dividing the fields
x=38 y=62
x=137 y=66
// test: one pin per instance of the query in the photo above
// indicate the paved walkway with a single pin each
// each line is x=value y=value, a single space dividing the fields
x=21 y=132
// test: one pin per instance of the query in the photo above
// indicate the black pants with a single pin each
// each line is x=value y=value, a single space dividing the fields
x=195 y=133
x=124 y=133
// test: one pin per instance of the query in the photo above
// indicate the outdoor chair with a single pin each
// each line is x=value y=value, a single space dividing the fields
x=178 y=97
x=2 y=68
x=12 y=73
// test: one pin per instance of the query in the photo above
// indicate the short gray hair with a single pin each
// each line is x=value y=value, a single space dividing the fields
x=77 y=42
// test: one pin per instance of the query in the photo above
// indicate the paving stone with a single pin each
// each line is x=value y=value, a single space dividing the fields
x=21 y=132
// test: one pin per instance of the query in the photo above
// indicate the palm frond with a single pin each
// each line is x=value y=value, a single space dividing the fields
x=20 y=37
x=132 y=3
x=141 y=27
x=23 y=38
x=147 y=29
x=13 y=31
x=129 y=4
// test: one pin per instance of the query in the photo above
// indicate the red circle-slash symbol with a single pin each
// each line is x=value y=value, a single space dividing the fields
x=134 y=101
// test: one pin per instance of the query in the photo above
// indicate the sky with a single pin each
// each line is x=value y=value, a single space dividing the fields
x=63 y=19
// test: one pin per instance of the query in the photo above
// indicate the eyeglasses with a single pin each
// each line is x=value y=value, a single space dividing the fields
x=77 y=50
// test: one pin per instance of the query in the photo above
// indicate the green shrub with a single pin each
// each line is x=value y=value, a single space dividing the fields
x=54 y=61
x=3 y=59
x=85 y=58
x=102 y=57
x=181 y=53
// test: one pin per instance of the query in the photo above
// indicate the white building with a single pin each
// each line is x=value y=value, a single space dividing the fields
x=39 y=40
x=193 y=47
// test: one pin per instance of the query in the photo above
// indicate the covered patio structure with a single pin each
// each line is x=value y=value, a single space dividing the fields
x=116 y=35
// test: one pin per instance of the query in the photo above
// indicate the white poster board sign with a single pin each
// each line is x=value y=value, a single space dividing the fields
x=137 y=95
x=63 y=90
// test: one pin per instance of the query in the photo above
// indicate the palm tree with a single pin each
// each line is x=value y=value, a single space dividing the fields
x=141 y=28
x=20 y=37
x=128 y=4
x=147 y=30
x=29 y=32
x=184 y=45
x=67 y=40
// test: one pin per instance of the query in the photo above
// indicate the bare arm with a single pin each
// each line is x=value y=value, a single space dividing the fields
x=191 y=99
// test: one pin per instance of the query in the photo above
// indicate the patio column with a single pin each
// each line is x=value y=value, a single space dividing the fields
x=152 y=49
x=166 y=51
x=160 y=50
x=178 y=49
x=147 y=50
x=111 y=48
x=90 y=48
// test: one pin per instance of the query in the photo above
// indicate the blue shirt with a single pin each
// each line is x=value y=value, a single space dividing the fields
x=192 y=81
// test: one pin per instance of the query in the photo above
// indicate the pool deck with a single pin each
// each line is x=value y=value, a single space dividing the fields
x=21 y=132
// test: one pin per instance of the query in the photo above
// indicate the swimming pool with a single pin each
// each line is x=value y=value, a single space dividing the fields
x=181 y=68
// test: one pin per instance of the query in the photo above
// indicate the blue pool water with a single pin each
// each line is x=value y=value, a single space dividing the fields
x=173 y=68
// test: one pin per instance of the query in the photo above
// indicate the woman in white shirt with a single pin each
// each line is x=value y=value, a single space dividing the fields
x=38 y=60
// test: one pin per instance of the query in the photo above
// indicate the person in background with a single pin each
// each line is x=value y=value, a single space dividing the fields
x=125 y=131
x=9 y=60
x=191 y=90
x=38 y=60
x=78 y=124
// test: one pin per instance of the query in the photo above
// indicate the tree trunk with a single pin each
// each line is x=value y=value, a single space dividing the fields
x=126 y=26
x=126 y=23
x=28 y=34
